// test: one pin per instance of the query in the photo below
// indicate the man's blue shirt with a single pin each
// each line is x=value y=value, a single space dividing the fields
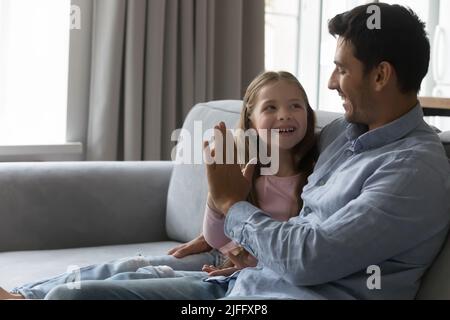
x=377 y=198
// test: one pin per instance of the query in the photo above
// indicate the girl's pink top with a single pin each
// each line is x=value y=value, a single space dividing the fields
x=277 y=196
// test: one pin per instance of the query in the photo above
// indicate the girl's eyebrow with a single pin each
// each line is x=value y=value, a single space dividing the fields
x=268 y=101
x=273 y=101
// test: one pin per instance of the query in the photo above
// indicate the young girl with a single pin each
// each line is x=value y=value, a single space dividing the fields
x=273 y=101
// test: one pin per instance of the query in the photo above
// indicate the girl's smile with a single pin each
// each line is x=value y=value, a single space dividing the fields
x=280 y=107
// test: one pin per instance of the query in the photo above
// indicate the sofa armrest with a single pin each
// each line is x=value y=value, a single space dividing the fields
x=82 y=204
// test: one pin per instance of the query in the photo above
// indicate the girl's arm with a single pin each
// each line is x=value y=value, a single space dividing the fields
x=212 y=235
x=213 y=226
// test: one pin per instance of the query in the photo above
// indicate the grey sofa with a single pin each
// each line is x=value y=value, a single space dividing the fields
x=56 y=215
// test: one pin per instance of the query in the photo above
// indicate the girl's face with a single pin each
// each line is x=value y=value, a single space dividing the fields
x=280 y=106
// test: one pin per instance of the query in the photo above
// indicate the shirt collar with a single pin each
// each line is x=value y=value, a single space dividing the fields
x=363 y=140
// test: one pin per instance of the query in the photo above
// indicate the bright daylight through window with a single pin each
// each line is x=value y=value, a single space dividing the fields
x=34 y=41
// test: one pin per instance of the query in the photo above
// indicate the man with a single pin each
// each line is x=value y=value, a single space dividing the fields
x=376 y=202
x=378 y=197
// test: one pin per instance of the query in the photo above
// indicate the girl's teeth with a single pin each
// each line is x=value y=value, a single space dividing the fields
x=286 y=130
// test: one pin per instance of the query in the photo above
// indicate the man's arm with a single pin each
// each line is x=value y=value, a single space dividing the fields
x=389 y=217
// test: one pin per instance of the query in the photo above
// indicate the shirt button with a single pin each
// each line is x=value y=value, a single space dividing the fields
x=348 y=153
x=308 y=210
x=322 y=182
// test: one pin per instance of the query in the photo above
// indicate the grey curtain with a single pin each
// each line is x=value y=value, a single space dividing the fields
x=150 y=62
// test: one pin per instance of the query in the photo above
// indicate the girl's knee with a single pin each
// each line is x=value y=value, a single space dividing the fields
x=158 y=271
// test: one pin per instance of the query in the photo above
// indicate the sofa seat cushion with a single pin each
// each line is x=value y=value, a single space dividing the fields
x=20 y=267
x=436 y=283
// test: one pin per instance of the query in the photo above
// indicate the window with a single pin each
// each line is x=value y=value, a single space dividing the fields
x=282 y=32
x=34 y=40
x=297 y=40
x=327 y=99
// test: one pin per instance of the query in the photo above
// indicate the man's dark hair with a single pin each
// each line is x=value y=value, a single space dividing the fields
x=402 y=41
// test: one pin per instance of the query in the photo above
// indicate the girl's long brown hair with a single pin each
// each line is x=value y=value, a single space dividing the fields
x=305 y=152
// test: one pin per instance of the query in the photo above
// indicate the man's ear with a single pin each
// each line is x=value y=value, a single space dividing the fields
x=383 y=73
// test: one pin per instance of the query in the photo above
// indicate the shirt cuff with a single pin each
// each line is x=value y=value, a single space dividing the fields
x=236 y=220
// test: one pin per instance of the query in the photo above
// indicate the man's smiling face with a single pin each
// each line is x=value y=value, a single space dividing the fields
x=352 y=85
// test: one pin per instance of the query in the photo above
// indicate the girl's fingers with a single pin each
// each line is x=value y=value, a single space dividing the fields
x=208 y=154
x=181 y=253
x=223 y=272
x=219 y=142
x=173 y=250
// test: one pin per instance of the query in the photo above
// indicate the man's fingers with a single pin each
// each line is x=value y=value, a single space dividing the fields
x=209 y=268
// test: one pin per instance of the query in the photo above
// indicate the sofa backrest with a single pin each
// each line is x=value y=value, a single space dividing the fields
x=188 y=191
x=58 y=205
